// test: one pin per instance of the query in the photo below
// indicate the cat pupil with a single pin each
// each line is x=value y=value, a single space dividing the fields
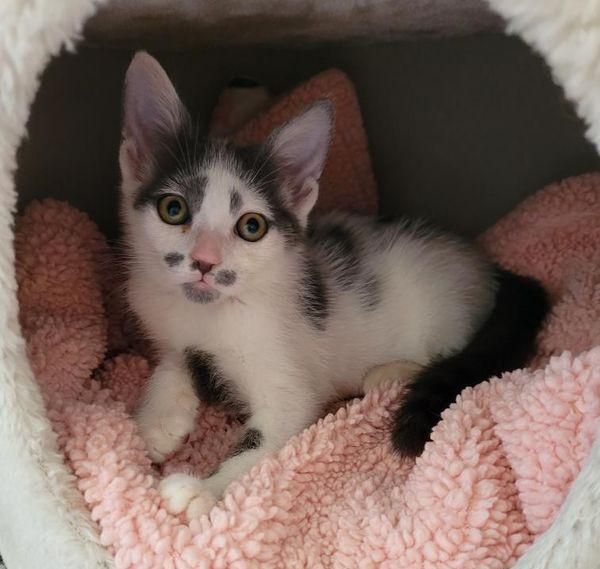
x=252 y=225
x=174 y=208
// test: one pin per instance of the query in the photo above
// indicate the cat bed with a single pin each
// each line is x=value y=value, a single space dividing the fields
x=493 y=478
x=45 y=521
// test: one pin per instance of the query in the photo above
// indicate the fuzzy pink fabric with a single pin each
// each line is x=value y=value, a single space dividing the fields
x=492 y=479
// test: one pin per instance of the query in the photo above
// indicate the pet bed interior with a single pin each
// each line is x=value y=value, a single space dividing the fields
x=463 y=122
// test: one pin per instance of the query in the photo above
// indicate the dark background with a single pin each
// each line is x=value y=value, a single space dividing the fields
x=460 y=129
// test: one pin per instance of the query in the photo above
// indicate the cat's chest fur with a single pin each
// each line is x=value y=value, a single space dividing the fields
x=241 y=336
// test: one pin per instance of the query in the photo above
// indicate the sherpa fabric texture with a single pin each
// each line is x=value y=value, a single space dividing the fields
x=43 y=520
x=494 y=477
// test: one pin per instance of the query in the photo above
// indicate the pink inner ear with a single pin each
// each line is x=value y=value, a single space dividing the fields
x=133 y=159
x=300 y=194
x=301 y=145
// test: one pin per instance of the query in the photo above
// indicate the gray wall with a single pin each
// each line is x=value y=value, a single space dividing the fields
x=460 y=129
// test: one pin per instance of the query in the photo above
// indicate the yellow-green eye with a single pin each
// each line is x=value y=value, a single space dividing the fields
x=252 y=226
x=173 y=209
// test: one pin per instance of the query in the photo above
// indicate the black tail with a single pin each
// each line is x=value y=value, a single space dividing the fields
x=505 y=342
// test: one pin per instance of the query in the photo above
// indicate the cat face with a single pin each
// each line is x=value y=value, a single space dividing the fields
x=209 y=220
x=215 y=228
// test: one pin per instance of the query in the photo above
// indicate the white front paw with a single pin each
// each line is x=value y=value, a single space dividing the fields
x=163 y=434
x=185 y=493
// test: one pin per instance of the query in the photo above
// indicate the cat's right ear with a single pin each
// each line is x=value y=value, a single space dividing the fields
x=153 y=115
x=300 y=149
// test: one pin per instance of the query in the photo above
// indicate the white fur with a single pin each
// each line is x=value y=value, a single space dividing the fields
x=392 y=372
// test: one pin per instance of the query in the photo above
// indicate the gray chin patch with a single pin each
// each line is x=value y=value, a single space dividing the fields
x=199 y=296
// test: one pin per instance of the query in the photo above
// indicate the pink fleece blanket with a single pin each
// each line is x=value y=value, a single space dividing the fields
x=492 y=479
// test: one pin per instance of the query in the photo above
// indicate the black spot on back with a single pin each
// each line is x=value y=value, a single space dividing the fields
x=210 y=384
x=252 y=439
x=334 y=238
x=342 y=252
x=338 y=245
x=314 y=296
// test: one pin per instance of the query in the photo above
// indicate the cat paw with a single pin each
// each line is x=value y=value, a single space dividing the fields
x=163 y=435
x=387 y=374
x=184 y=493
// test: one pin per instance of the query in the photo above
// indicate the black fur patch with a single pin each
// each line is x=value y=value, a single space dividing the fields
x=339 y=246
x=173 y=259
x=252 y=439
x=314 y=296
x=235 y=202
x=226 y=277
x=209 y=383
x=335 y=238
x=505 y=342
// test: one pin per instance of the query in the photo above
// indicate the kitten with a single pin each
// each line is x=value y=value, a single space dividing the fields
x=255 y=307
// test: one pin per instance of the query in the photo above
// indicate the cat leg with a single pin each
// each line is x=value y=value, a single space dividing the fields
x=168 y=411
x=265 y=433
x=387 y=374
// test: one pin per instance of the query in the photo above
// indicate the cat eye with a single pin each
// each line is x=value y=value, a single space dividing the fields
x=173 y=209
x=252 y=226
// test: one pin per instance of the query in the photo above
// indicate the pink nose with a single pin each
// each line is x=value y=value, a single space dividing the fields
x=202 y=266
x=205 y=254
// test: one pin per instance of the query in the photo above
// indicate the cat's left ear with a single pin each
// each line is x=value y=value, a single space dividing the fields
x=300 y=149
